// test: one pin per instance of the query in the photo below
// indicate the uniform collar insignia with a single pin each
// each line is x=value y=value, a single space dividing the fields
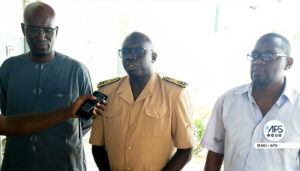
x=176 y=82
x=107 y=82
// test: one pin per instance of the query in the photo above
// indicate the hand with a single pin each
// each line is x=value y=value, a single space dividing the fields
x=100 y=108
x=72 y=109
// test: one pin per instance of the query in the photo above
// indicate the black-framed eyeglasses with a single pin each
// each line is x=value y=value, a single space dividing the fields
x=36 y=30
x=136 y=52
x=266 y=57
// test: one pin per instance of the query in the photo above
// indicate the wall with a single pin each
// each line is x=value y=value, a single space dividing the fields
x=11 y=37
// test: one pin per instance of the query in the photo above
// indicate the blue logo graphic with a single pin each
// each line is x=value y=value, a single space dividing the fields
x=267 y=128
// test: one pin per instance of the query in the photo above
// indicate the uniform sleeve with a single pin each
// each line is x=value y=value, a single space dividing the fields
x=97 y=132
x=182 y=130
x=214 y=135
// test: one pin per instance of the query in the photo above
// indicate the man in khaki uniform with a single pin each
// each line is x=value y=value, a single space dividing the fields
x=147 y=116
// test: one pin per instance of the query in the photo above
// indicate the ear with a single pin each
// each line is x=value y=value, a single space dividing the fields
x=289 y=63
x=23 y=28
x=154 y=57
x=56 y=31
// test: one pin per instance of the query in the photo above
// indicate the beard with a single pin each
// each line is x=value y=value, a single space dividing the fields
x=261 y=80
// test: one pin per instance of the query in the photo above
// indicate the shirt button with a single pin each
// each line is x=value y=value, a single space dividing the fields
x=132 y=127
x=34 y=91
x=33 y=148
x=128 y=168
x=33 y=138
x=157 y=116
x=129 y=147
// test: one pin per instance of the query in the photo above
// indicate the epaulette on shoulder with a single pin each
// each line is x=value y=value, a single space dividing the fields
x=106 y=82
x=177 y=82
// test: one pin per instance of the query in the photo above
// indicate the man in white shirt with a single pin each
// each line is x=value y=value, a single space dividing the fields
x=265 y=111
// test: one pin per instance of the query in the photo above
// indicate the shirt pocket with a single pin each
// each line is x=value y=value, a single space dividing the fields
x=60 y=99
x=112 y=120
x=159 y=120
x=113 y=110
x=57 y=100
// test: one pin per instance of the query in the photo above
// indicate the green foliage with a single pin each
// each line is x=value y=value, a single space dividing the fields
x=200 y=117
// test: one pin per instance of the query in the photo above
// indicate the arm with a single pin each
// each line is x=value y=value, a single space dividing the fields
x=100 y=157
x=178 y=161
x=214 y=137
x=98 y=144
x=213 y=161
x=182 y=132
x=25 y=124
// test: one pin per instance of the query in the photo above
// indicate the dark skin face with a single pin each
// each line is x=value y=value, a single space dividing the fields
x=268 y=73
x=139 y=67
x=40 y=44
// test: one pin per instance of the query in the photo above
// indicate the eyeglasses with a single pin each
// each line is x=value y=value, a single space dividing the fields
x=36 y=30
x=136 y=52
x=266 y=57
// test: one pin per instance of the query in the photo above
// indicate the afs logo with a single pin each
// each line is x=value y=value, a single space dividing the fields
x=274 y=130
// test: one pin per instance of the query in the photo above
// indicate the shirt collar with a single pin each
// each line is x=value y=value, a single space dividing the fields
x=58 y=57
x=287 y=93
x=244 y=89
x=125 y=89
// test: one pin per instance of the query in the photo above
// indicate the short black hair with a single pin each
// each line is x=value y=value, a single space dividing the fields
x=287 y=46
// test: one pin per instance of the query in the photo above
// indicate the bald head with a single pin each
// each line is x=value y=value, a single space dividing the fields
x=40 y=31
x=277 y=39
x=140 y=56
x=138 y=38
x=38 y=10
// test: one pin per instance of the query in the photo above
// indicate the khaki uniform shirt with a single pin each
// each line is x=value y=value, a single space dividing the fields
x=140 y=135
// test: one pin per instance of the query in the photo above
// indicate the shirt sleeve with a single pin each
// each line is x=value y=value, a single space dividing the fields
x=213 y=137
x=3 y=97
x=85 y=88
x=182 y=130
x=86 y=83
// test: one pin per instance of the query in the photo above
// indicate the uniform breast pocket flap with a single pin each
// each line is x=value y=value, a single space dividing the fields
x=159 y=119
x=112 y=113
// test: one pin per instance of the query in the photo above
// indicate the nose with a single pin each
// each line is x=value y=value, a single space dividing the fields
x=131 y=56
x=259 y=61
x=41 y=34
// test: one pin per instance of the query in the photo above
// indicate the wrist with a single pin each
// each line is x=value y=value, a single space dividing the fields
x=69 y=112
